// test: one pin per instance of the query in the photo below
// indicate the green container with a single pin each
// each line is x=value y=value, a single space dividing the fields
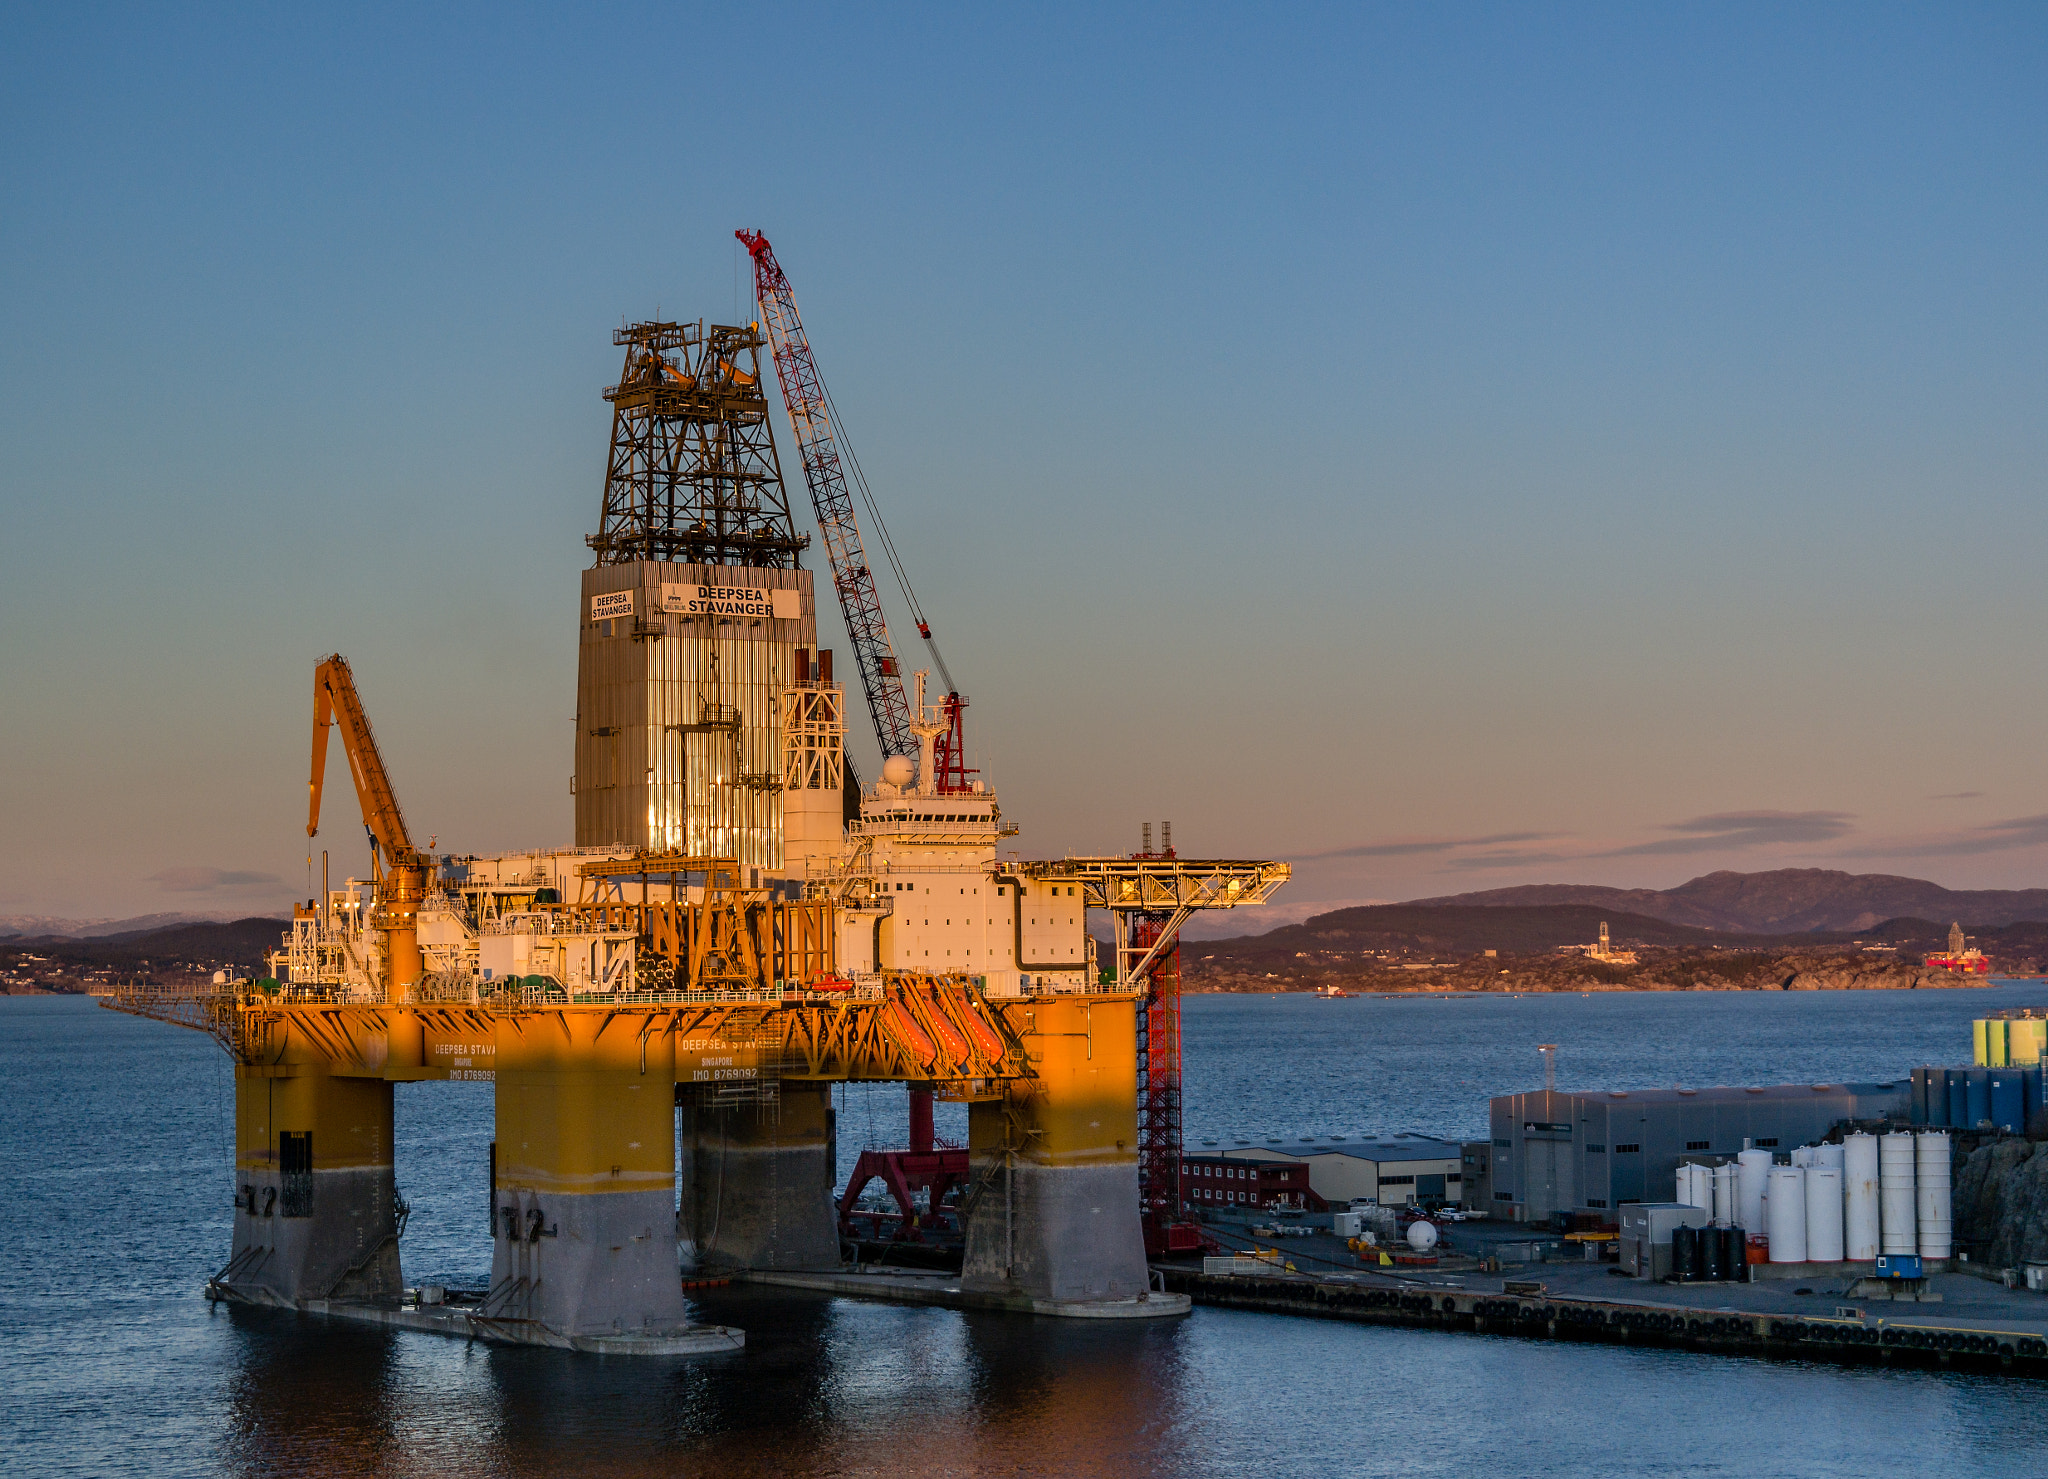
x=1979 y=1049
x=1994 y=1042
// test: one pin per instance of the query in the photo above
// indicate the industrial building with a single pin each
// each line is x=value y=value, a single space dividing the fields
x=1393 y=1170
x=1570 y=1152
x=1212 y=1182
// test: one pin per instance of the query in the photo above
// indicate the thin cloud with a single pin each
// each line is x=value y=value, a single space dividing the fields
x=2005 y=836
x=1728 y=831
x=196 y=880
x=1418 y=846
x=1957 y=796
x=1482 y=861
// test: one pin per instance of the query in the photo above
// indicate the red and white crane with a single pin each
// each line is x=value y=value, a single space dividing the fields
x=826 y=469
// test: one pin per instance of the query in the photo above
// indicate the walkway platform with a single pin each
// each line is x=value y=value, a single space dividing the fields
x=464 y=1321
x=921 y=1286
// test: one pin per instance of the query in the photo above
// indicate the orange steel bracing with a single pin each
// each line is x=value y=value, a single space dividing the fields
x=1159 y=1096
x=937 y=1031
x=401 y=869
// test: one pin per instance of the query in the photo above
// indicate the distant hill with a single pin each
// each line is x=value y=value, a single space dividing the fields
x=1783 y=902
x=32 y=927
x=239 y=941
x=1454 y=931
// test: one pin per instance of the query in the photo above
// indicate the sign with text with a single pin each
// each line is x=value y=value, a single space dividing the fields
x=610 y=604
x=731 y=600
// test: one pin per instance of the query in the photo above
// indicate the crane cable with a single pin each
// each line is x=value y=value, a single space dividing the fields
x=867 y=497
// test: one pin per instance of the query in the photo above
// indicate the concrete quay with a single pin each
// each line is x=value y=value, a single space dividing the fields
x=1976 y=1324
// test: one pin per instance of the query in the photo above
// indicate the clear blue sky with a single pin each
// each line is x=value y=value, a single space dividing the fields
x=1446 y=447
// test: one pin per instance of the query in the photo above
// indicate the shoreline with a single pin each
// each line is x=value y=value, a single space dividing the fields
x=1589 y=988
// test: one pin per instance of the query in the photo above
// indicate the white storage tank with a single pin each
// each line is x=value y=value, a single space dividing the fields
x=1802 y=1156
x=1897 y=1216
x=1859 y=1198
x=1751 y=1167
x=1828 y=1155
x=1695 y=1186
x=1785 y=1214
x=1932 y=1194
x=1724 y=1194
x=1823 y=1214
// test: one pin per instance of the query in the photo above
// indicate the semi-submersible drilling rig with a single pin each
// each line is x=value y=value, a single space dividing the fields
x=739 y=926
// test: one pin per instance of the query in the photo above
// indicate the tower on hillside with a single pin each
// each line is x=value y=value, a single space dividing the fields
x=694 y=609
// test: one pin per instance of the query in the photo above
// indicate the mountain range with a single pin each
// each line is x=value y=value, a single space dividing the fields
x=1785 y=901
x=26 y=928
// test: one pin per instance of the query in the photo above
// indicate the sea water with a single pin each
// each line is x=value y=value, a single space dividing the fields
x=117 y=1138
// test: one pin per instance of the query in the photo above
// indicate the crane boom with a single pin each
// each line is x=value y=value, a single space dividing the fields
x=803 y=392
x=336 y=704
x=402 y=882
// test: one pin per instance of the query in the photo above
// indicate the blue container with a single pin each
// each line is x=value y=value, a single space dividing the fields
x=1936 y=1089
x=1921 y=1107
x=1980 y=1098
x=2008 y=1100
x=1898 y=1266
x=1959 y=1099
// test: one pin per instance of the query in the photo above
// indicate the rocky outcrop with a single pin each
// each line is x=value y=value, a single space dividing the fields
x=2001 y=1204
x=1855 y=975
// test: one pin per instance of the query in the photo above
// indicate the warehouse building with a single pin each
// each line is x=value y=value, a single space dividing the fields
x=1262 y=1182
x=1557 y=1152
x=1393 y=1170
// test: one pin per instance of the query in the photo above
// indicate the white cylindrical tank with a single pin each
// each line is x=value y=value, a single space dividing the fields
x=1931 y=1194
x=1724 y=1194
x=1785 y=1214
x=1859 y=1197
x=1897 y=1217
x=1823 y=1214
x=1694 y=1188
x=1802 y=1156
x=1828 y=1155
x=1751 y=1167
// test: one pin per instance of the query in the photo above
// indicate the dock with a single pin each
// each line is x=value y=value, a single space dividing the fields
x=1976 y=1324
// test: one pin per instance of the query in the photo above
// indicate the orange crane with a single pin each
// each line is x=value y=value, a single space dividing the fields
x=399 y=870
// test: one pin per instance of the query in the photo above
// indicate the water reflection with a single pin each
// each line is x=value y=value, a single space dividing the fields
x=823 y=1388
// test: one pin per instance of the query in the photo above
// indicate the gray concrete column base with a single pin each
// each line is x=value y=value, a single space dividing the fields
x=564 y=1267
x=346 y=1249
x=1058 y=1234
x=752 y=1195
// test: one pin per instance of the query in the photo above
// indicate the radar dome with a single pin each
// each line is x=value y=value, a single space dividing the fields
x=1422 y=1236
x=899 y=770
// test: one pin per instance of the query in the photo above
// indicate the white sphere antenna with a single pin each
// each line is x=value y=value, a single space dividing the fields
x=899 y=771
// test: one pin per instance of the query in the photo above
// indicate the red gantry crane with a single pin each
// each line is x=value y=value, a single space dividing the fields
x=811 y=417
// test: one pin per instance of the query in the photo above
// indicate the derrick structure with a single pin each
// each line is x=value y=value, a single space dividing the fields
x=693 y=475
x=694 y=608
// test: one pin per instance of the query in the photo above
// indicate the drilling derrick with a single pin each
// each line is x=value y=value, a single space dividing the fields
x=693 y=474
x=694 y=608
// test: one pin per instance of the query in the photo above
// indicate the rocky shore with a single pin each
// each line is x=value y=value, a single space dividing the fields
x=1657 y=971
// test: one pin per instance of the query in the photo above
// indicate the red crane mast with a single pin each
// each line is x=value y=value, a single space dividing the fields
x=810 y=416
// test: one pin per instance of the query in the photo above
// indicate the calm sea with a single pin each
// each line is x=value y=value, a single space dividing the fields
x=117 y=1136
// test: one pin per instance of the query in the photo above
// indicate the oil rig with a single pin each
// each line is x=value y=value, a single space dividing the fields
x=663 y=1007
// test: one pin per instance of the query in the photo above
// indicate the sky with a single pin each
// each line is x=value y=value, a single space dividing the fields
x=1442 y=447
